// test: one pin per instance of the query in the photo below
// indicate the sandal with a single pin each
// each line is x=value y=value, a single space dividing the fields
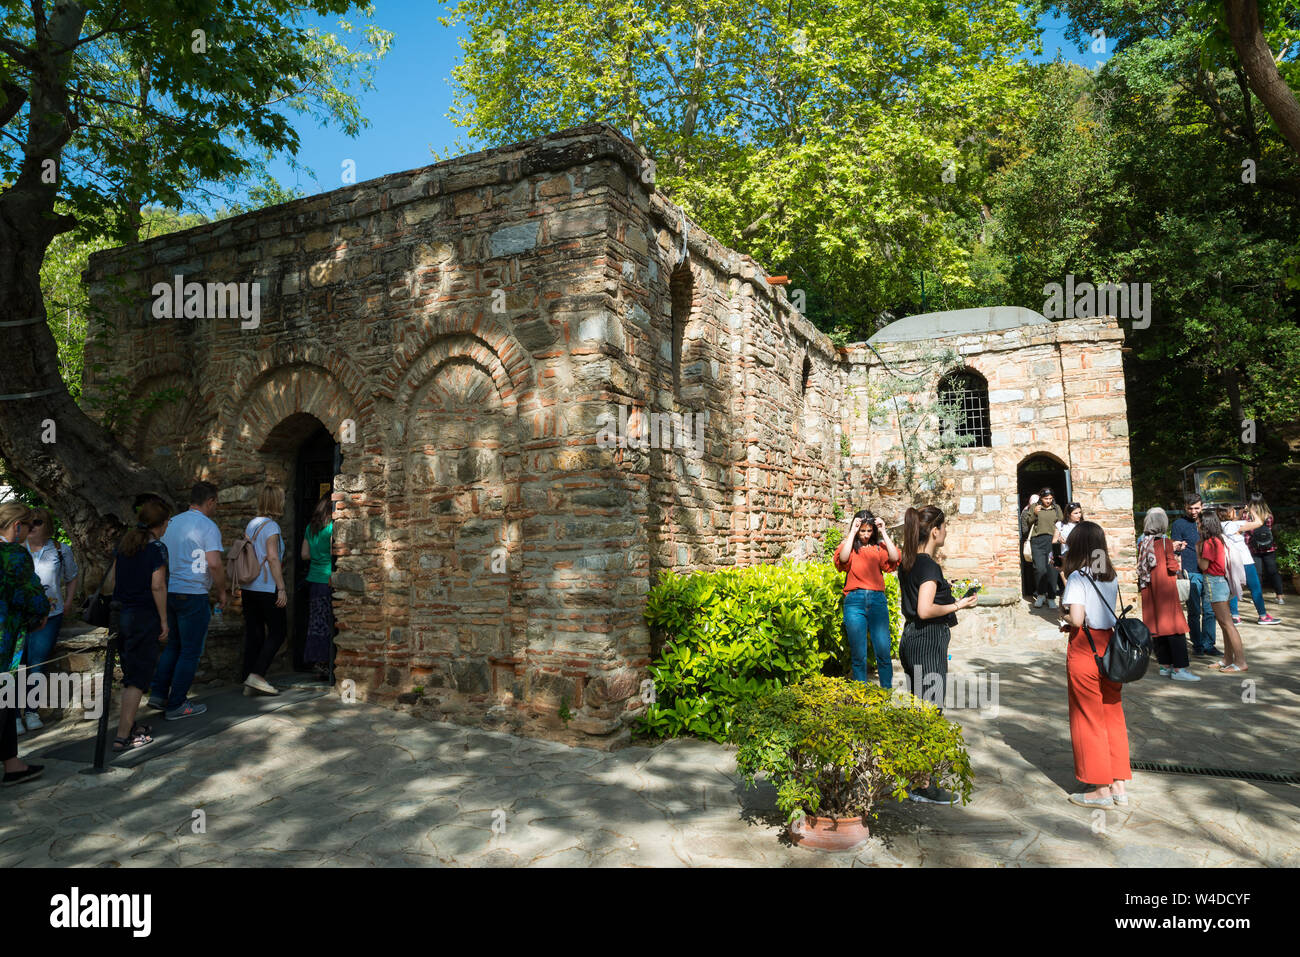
x=1227 y=669
x=145 y=729
x=131 y=742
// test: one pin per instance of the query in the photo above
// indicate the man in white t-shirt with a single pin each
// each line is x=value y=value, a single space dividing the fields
x=195 y=567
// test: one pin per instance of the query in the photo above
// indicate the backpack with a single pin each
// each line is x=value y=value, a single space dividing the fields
x=1129 y=651
x=1261 y=538
x=242 y=566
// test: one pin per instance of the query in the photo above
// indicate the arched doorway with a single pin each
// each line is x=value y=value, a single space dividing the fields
x=319 y=460
x=301 y=453
x=1038 y=471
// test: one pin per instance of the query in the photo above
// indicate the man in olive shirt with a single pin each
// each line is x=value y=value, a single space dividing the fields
x=1039 y=520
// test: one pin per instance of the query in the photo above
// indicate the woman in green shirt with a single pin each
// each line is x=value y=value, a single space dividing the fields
x=320 y=600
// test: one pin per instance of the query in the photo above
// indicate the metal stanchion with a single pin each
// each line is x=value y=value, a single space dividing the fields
x=101 y=740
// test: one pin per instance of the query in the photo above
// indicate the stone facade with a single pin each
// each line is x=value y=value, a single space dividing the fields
x=482 y=336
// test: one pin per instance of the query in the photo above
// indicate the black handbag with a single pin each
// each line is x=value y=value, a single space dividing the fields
x=1129 y=652
x=95 y=610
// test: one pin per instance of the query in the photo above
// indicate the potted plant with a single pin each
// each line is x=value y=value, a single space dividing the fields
x=835 y=748
x=1288 y=556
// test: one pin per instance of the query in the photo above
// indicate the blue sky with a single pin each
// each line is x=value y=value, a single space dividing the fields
x=408 y=107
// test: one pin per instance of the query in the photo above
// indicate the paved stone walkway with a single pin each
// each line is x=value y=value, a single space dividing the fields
x=329 y=784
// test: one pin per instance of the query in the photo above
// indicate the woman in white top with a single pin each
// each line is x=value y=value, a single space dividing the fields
x=1232 y=534
x=265 y=600
x=1098 y=732
x=58 y=572
x=1073 y=516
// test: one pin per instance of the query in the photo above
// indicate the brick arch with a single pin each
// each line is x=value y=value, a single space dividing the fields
x=180 y=437
x=157 y=372
x=282 y=392
x=253 y=368
x=480 y=338
x=456 y=348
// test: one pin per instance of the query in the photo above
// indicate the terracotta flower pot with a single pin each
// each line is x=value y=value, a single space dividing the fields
x=829 y=833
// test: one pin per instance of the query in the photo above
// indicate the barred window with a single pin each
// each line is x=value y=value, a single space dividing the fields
x=964 y=410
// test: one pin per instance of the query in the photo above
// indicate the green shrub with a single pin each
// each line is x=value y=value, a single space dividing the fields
x=734 y=634
x=833 y=540
x=1288 y=551
x=836 y=747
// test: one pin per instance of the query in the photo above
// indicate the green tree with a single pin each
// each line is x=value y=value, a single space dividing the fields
x=831 y=140
x=1137 y=173
x=109 y=106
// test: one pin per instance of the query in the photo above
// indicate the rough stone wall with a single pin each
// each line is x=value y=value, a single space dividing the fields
x=482 y=326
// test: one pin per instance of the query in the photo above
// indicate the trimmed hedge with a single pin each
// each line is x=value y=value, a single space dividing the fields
x=838 y=748
x=733 y=635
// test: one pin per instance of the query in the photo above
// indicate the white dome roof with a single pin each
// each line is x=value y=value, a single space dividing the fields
x=958 y=322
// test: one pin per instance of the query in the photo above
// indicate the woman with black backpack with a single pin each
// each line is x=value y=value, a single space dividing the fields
x=1263 y=544
x=1098 y=732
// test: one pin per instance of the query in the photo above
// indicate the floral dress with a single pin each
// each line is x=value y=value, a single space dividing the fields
x=23 y=602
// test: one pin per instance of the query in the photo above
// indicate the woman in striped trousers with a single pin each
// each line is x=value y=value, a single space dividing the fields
x=929 y=612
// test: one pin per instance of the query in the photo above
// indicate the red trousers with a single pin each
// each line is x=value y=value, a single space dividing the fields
x=1097 y=729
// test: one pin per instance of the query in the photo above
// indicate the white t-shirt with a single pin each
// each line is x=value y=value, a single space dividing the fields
x=259 y=531
x=1065 y=528
x=1237 y=542
x=1098 y=609
x=189 y=537
x=46 y=562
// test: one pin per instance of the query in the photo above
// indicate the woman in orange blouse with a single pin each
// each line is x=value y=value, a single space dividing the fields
x=866 y=556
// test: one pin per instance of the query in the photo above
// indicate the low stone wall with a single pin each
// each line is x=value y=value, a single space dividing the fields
x=81 y=650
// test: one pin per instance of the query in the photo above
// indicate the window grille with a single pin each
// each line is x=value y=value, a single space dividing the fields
x=964 y=410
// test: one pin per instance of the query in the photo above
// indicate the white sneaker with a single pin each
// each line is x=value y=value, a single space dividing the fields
x=22 y=728
x=1038 y=600
x=1060 y=601
x=34 y=722
x=1182 y=674
x=258 y=683
x=1280 y=601
x=1164 y=672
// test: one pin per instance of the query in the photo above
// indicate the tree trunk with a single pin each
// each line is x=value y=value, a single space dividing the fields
x=1257 y=60
x=71 y=461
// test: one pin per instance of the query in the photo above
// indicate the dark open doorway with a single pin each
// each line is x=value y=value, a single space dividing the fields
x=1032 y=475
x=319 y=460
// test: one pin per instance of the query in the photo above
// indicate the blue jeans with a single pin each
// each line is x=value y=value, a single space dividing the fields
x=187 y=630
x=867 y=611
x=1200 y=616
x=39 y=645
x=1256 y=593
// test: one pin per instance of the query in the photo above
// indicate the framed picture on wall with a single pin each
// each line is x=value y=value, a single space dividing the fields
x=1221 y=484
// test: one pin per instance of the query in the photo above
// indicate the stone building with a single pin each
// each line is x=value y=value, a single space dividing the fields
x=531 y=385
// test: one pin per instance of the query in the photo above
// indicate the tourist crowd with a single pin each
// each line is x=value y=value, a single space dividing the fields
x=167 y=576
x=1190 y=577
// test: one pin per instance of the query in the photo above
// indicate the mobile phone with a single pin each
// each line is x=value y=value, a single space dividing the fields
x=970 y=591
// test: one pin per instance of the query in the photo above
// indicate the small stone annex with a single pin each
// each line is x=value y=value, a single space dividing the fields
x=470 y=358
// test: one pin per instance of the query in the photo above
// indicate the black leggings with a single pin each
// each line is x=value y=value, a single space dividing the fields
x=9 y=731
x=264 y=630
x=1171 y=650
x=1045 y=576
x=1266 y=565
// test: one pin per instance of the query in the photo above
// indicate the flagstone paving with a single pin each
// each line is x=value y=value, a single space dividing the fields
x=324 y=783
